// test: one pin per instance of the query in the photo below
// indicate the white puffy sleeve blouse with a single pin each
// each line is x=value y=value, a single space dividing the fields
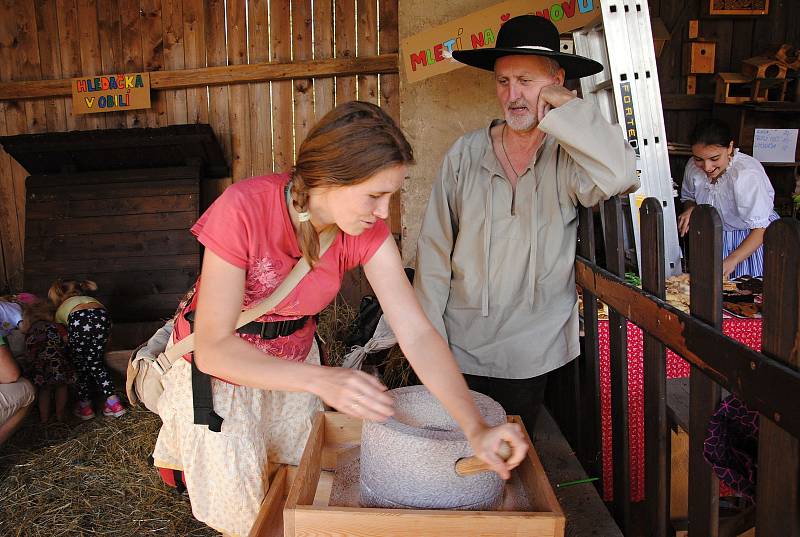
x=743 y=195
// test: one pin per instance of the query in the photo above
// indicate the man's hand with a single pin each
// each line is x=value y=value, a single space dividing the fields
x=553 y=96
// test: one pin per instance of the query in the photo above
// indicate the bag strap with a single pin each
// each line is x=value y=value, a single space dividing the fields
x=302 y=267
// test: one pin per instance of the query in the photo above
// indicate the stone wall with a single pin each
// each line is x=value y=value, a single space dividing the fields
x=436 y=111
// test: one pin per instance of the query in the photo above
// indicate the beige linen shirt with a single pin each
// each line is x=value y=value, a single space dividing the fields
x=500 y=286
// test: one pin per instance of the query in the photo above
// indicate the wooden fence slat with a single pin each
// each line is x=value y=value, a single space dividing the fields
x=27 y=65
x=281 y=51
x=174 y=58
x=153 y=57
x=11 y=239
x=705 y=235
x=618 y=352
x=194 y=53
x=323 y=49
x=302 y=48
x=50 y=57
x=132 y=57
x=218 y=113
x=111 y=55
x=345 y=46
x=4 y=284
x=16 y=122
x=239 y=105
x=589 y=428
x=390 y=95
x=656 y=433
x=91 y=62
x=778 y=505
x=261 y=119
x=367 y=47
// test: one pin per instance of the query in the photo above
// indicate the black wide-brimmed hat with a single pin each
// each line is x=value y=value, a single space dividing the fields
x=529 y=35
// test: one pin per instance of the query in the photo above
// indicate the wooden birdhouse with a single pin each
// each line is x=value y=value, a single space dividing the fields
x=699 y=57
x=732 y=88
x=763 y=67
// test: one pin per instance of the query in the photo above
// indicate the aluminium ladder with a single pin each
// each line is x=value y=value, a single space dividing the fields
x=627 y=93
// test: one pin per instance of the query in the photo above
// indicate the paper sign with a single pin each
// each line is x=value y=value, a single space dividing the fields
x=775 y=145
x=110 y=93
x=428 y=53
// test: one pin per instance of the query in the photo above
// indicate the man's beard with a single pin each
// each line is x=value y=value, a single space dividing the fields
x=521 y=123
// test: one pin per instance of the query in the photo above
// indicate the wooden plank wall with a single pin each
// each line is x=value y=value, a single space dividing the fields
x=126 y=232
x=737 y=38
x=258 y=125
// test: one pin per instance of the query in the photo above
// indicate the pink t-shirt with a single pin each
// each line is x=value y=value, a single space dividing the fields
x=249 y=227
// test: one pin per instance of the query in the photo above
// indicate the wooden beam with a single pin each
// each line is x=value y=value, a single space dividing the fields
x=765 y=384
x=678 y=101
x=222 y=75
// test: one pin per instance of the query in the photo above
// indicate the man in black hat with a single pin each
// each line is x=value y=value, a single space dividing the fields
x=496 y=253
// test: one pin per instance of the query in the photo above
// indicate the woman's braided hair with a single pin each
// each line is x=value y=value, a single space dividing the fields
x=350 y=144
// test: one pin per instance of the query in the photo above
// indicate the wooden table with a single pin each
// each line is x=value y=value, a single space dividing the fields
x=747 y=331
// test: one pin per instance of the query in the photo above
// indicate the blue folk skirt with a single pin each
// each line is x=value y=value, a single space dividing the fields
x=753 y=265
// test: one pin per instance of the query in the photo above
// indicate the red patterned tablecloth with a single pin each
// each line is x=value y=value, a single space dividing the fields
x=747 y=331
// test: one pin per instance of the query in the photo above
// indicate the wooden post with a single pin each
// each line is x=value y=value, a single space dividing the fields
x=777 y=508
x=618 y=351
x=589 y=430
x=705 y=266
x=656 y=434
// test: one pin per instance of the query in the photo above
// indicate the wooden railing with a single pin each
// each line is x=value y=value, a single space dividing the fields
x=768 y=382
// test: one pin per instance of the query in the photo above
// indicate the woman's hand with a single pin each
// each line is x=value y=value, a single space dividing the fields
x=728 y=266
x=683 y=220
x=486 y=443
x=354 y=393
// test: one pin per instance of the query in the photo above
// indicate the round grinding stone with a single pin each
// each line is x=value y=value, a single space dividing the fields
x=409 y=461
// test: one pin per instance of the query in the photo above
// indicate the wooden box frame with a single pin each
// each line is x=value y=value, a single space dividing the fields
x=743 y=11
x=334 y=433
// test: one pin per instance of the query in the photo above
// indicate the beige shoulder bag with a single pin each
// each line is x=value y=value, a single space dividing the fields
x=150 y=362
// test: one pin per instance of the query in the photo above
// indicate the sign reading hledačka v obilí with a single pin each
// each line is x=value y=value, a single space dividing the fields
x=110 y=93
x=429 y=53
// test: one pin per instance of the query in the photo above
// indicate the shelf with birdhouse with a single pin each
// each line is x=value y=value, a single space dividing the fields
x=699 y=57
x=744 y=119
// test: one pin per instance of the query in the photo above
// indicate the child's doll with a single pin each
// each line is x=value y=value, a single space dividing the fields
x=47 y=365
x=88 y=327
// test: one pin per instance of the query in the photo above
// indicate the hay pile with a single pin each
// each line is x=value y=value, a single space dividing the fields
x=89 y=478
x=94 y=477
x=333 y=327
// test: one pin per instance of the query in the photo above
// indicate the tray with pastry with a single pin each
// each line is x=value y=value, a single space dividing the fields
x=742 y=297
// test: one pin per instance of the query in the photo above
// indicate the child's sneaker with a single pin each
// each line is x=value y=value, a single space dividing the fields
x=84 y=410
x=113 y=408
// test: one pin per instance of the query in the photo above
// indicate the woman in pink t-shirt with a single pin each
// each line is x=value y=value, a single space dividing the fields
x=346 y=171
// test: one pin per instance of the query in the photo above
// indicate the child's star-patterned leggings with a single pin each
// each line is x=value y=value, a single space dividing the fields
x=88 y=334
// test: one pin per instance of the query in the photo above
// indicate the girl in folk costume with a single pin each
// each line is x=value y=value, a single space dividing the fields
x=48 y=365
x=266 y=388
x=737 y=186
x=88 y=326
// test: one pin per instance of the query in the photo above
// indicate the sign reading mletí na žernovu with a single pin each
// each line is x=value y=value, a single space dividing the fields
x=110 y=93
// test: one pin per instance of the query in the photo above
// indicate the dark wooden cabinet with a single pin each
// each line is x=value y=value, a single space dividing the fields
x=116 y=206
